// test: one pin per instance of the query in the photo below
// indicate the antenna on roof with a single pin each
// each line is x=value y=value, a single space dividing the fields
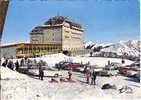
x=67 y=17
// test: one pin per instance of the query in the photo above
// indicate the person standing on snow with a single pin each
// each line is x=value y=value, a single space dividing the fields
x=70 y=75
x=22 y=62
x=93 y=78
x=122 y=61
x=17 y=65
x=109 y=63
x=41 y=72
x=10 y=65
x=88 y=75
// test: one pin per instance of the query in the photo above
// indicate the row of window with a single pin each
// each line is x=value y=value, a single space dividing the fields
x=26 y=50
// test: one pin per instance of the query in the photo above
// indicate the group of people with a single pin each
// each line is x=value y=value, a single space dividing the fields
x=91 y=77
x=15 y=66
x=10 y=64
x=90 y=74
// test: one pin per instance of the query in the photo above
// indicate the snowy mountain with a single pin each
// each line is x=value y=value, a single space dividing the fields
x=89 y=45
x=128 y=48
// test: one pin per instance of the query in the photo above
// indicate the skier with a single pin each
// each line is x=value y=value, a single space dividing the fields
x=93 y=78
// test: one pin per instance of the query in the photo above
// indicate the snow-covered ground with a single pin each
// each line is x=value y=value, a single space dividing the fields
x=51 y=60
x=16 y=86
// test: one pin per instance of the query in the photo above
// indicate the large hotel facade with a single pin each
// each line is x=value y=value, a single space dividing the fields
x=58 y=34
x=59 y=30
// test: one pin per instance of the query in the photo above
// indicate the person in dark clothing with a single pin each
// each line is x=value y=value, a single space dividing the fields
x=17 y=65
x=10 y=65
x=6 y=61
x=109 y=62
x=22 y=62
x=41 y=72
x=122 y=61
x=88 y=74
x=70 y=74
x=93 y=78
x=4 y=64
x=59 y=67
x=85 y=69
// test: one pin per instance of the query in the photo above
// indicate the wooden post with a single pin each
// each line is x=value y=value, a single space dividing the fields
x=3 y=11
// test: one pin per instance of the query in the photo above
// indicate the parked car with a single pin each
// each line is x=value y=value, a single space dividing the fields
x=61 y=65
x=104 y=73
x=73 y=66
x=126 y=71
x=115 y=65
x=135 y=66
x=69 y=65
x=112 y=66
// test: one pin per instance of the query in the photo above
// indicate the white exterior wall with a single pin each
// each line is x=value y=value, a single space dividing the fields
x=8 y=52
x=77 y=39
x=66 y=37
x=52 y=35
x=72 y=39
x=36 y=38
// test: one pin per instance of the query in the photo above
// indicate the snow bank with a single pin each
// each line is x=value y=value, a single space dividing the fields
x=6 y=73
x=17 y=86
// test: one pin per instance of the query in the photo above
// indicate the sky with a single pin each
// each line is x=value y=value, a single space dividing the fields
x=104 y=21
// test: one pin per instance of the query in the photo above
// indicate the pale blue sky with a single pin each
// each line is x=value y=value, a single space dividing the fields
x=104 y=21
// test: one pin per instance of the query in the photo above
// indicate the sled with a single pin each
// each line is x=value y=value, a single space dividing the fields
x=54 y=81
x=68 y=81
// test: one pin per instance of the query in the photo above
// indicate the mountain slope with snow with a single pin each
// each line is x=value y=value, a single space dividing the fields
x=128 y=48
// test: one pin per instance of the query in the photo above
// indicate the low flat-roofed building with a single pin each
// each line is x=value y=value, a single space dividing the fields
x=28 y=50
